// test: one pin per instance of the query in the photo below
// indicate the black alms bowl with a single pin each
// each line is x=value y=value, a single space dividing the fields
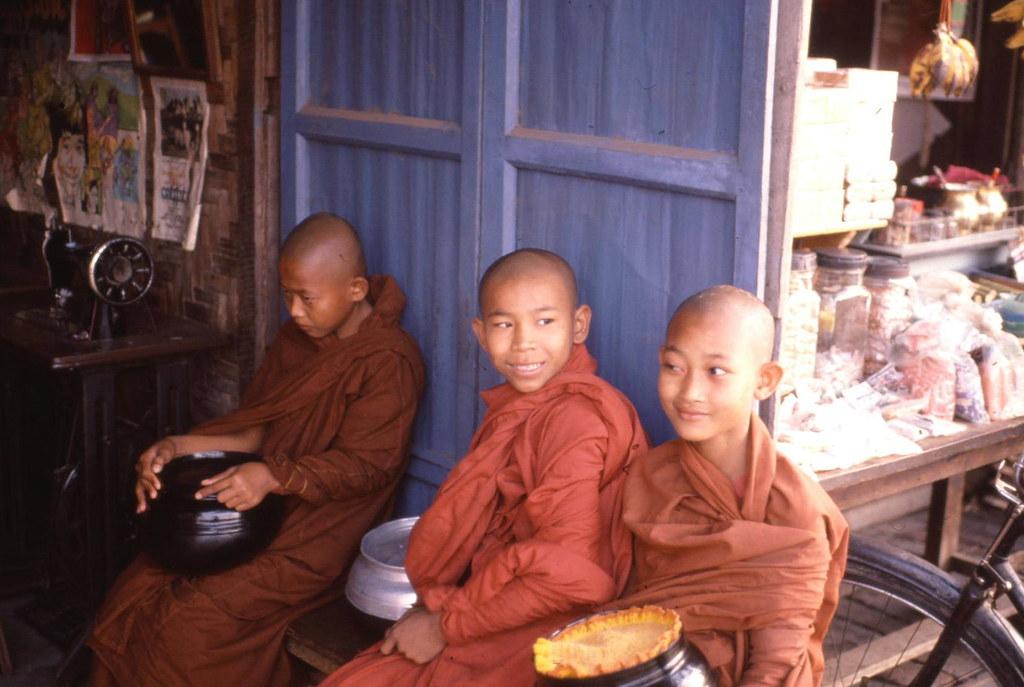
x=198 y=537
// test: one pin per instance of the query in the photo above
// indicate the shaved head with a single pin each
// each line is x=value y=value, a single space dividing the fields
x=529 y=262
x=749 y=317
x=326 y=239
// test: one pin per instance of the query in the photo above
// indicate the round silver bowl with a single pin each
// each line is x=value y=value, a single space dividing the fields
x=377 y=584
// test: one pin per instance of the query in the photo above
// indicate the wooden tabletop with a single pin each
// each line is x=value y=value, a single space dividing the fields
x=942 y=457
x=37 y=344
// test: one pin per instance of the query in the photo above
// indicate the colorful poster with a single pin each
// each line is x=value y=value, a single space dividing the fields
x=179 y=158
x=84 y=123
x=98 y=165
x=99 y=31
x=35 y=80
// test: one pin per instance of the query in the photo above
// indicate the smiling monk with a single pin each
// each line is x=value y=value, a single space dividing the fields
x=526 y=532
x=747 y=549
x=330 y=410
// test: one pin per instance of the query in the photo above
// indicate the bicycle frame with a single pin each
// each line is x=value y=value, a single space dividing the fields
x=992 y=576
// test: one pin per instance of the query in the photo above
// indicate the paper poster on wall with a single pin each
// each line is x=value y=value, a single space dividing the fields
x=99 y=31
x=99 y=166
x=179 y=158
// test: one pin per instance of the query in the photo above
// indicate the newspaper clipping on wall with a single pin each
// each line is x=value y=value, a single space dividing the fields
x=179 y=158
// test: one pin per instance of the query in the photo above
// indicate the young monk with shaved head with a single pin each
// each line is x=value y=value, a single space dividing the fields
x=526 y=532
x=745 y=547
x=330 y=412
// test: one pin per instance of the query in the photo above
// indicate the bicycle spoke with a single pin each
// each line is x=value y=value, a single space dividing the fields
x=887 y=623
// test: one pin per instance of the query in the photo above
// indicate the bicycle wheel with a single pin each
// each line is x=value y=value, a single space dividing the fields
x=892 y=609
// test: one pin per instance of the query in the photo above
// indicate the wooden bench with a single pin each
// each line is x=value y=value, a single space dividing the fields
x=330 y=635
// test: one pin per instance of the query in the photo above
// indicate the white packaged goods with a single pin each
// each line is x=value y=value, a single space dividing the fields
x=870 y=191
x=859 y=170
x=866 y=84
x=843 y=122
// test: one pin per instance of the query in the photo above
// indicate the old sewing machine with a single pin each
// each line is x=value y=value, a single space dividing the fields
x=89 y=376
x=92 y=284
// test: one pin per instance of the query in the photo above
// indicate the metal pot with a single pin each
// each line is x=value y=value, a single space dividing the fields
x=962 y=199
x=992 y=205
x=377 y=584
x=199 y=537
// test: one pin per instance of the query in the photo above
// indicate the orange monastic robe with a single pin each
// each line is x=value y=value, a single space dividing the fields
x=338 y=416
x=533 y=512
x=755 y=580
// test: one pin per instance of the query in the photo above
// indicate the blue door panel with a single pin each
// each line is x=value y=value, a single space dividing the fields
x=659 y=71
x=396 y=57
x=405 y=207
x=637 y=252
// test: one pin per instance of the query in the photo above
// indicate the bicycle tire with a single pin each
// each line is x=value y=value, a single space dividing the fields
x=892 y=603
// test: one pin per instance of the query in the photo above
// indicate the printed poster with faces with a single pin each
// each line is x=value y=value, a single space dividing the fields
x=179 y=158
x=98 y=157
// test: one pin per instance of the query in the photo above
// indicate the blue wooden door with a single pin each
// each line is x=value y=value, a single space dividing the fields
x=628 y=136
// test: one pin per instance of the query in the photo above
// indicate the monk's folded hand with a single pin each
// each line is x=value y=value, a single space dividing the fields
x=241 y=487
x=149 y=464
x=417 y=635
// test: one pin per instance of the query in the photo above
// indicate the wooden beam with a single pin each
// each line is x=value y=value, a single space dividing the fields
x=792 y=29
x=665 y=167
x=383 y=130
x=943 y=456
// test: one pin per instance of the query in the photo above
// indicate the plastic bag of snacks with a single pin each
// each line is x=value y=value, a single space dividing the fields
x=996 y=381
x=1001 y=365
x=970 y=396
x=928 y=367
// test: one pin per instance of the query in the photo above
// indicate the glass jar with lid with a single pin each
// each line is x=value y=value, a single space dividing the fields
x=889 y=282
x=798 y=343
x=843 y=315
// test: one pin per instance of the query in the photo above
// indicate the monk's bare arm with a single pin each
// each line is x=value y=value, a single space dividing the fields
x=558 y=567
x=370 y=450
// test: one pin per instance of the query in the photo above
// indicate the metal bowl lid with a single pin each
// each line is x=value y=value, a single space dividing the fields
x=842 y=258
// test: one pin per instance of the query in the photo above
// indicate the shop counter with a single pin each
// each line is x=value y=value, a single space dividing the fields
x=943 y=464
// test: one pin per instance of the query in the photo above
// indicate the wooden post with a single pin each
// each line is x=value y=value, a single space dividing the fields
x=793 y=28
x=944 y=514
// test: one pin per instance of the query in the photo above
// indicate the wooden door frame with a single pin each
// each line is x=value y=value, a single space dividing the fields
x=258 y=121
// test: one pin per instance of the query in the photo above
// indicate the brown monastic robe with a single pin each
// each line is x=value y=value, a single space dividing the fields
x=755 y=580
x=338 y=415
x=533 y=513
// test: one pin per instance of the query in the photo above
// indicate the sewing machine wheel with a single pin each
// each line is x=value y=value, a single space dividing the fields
x=120 y=271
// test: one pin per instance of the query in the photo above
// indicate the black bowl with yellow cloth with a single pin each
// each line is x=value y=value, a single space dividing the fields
x=633 y=647
x=193 y=536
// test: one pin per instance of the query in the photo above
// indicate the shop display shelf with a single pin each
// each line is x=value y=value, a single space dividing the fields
x=969 y=242
x=840 y=228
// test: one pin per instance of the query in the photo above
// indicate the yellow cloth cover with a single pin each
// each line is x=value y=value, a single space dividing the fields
x=607 y=642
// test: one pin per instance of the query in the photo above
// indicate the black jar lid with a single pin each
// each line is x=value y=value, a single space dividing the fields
x=842 y=258
x=804 y=261
x=887 y=268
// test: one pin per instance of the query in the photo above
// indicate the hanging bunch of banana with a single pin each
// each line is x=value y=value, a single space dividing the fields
x=947 y=62
x=1014 y=12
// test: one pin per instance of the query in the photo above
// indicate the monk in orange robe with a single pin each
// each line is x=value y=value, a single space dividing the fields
x=331 y=411
x=746 y=548
x=526 y=531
